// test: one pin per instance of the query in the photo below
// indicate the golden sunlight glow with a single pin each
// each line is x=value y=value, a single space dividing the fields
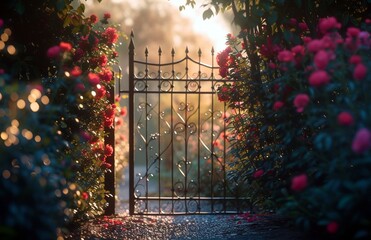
x=216 y=28
x=31 y=98
x=6 y=174
x=4 y=37
x=34 y=107
x=27 y=134
x=8 y=31
x=11 y=49
x=36 y=93
x=15 y=123
x=72 y=187
x=45 y=100
x=13 y=130
x=21 y=104
x=46 y=160
x=37 y=138
x=4 y=136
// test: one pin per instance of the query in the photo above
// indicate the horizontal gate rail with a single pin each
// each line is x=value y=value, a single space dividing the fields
x=178 y=138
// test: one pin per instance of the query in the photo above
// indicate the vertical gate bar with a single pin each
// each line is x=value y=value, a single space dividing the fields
x=224 y=157
x=131 y=124
x=212 y=138
x=186 y=134
x=199 y=132
x=109 y=175
x=172 y=130
x=159 y=130
x=146 y=52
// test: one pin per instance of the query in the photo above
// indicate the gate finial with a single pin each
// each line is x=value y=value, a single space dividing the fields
x=131 y=44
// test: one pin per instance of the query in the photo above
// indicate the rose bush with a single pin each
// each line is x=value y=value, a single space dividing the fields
x=307 y=134
x=54 y=121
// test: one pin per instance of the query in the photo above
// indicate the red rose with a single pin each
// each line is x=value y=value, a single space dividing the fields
x=108 y=150
x=258 y=173
x=277 y=105
x=65 y=47
x=93 y=79
x=345 y=119
x=300 y=182
x=76 y=71
x=332 y=227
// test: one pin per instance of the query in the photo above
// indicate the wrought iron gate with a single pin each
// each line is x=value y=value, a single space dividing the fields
x=177 y=138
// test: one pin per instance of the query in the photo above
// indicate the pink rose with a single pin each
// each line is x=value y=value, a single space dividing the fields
x=299 y=182
x=360 y=71
x=355 y=59
x=327 y=24
x=301 y=101
x=353 y=32
x=319 y=78
x=315 y=45
x=362 y=141
x=53 y=52
x=321 y=59
x=285 y=56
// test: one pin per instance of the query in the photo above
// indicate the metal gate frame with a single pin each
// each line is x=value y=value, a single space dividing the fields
x=190 y=204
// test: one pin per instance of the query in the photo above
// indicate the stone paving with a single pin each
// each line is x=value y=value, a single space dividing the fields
x=257 y=227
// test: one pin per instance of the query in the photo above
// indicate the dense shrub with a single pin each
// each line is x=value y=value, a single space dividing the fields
x=54 y=111
x=304 y=130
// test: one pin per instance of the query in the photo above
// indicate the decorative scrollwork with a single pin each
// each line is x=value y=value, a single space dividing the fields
x=193 y=86
x=140 y=85
x=179 y=189
x=165 y=86
x=193 y=206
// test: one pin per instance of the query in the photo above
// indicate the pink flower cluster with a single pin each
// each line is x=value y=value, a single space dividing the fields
x=322 y=52
x=55 y=51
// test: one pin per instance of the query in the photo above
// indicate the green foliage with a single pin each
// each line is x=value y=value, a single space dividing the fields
x=53 y=115
x=275 y=139
x=278 y=138
x=33 y=176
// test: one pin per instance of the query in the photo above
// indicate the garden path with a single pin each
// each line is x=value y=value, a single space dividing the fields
x=189 y=227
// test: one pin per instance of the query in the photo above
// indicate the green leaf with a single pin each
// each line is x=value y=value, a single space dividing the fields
x=272 y=18
x=60 y=5
x=345 y=202
x=81 y=8
x=20 y=7
x=207 y=14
